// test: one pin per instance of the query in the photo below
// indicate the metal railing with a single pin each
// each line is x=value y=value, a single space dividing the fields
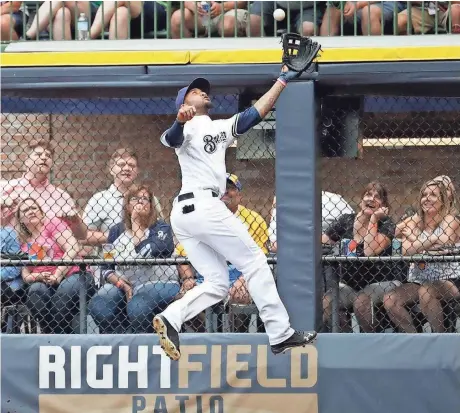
x=332 y=263
x=336 y=267
x=68 y=20
x=84 y=291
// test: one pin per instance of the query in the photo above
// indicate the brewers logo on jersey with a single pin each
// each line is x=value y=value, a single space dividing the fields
x=204 y=137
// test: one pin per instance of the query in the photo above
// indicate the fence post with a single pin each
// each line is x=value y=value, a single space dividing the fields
x=82 y=298
x=298 y=205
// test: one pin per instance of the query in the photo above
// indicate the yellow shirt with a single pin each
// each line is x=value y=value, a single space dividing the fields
x=256 y=225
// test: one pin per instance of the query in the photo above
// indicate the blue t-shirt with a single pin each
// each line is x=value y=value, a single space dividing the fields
x=10 y=245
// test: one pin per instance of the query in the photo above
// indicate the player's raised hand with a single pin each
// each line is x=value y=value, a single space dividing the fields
x=186 y=113
x=287 y=74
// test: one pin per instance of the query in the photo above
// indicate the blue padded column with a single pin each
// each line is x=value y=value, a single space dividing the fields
x=298 y=200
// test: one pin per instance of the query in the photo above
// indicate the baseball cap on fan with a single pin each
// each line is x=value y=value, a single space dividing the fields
x=235 y=181
x=199 y=83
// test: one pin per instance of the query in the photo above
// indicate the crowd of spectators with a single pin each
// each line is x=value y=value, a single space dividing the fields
x=57 y=20
x=126 y=221
x=386 y=293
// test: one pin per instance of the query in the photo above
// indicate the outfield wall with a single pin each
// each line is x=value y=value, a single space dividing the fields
x=347 y=373
x=231 y=51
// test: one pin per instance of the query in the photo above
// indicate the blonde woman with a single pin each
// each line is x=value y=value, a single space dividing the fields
x=434 y=226
x=413 y=221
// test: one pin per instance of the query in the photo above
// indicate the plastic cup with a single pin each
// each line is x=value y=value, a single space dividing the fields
x=108 y=252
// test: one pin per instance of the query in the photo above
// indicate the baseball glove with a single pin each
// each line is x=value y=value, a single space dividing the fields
x=299 y=52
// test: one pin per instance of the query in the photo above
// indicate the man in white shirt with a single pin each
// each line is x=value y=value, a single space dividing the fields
x=105 y=208
x=333 y=206
x=210 y=233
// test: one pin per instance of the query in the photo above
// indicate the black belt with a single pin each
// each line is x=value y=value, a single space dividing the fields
x=190 y=195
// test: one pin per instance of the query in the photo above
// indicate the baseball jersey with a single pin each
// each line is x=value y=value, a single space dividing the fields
x=202 y=153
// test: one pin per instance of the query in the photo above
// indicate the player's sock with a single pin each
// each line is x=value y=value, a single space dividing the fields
x=169 y=337
x=298 y=339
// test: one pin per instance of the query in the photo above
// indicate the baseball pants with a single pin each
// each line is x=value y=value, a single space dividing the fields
x=212 y=235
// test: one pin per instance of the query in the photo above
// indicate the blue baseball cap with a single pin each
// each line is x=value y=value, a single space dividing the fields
x=199 y=83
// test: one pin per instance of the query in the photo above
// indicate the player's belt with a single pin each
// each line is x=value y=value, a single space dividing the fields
x=190 y=195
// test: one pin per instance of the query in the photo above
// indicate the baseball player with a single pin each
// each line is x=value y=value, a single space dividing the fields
x=207 y=229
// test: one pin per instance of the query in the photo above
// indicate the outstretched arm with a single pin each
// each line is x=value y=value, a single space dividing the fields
x=266 y=102
x=254 y=115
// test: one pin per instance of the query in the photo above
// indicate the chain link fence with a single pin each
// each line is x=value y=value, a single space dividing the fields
x=90 y=180
x=87 y=189
x=389 y=175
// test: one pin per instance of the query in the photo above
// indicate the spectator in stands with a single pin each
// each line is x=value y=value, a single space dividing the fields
x=35 y=184
x=53 y=294
x=105 y=208
x=333 y=206
x=367 y=233
x=429 y=283
x=370 y=16
x=413 y=220
x=124 y=18
x=13 y=16
x=257 y=228
x=305 y=17
x=60 y=17
x=427 y=15
x=451 y=193
x=140 y=292
x=222 y=20
x=12 y=284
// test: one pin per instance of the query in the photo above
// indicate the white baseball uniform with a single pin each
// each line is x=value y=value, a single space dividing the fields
x=212 y=235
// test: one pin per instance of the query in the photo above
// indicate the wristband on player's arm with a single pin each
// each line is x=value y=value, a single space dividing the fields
x=175 y=135
x=283 y=81
x=285 y=77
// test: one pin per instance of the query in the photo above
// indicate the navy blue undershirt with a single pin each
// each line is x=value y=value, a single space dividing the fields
x=245 y=121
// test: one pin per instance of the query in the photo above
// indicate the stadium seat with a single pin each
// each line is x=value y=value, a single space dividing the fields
x=17 y=319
